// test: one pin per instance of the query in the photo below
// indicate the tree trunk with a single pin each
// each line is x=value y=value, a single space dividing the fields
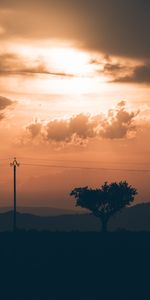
x=104 y=225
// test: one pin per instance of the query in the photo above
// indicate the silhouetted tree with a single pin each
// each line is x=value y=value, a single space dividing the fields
x=105 y=201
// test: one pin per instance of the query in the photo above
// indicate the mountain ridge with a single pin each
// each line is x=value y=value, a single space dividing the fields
x=134 y=218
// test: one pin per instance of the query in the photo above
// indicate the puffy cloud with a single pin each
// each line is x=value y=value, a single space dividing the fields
x=34 y=129
x=83 y=126
x=118 y=124
x=115 y=27
x=75 y=129
x=78 y=127
x=58 y=131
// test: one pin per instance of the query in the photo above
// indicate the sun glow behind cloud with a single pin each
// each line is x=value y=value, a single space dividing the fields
x=60 y=58
x=78 y=80
x=53 y=70
x=70 y=60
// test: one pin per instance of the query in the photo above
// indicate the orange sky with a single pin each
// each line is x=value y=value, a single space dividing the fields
x=74 y=92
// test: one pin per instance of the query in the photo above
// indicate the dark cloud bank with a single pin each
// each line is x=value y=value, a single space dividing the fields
x=127 y=73
x=140 y=74
x=116 y=27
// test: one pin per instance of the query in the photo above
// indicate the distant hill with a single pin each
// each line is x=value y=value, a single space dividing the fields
x=136 y=218
x=42 y=211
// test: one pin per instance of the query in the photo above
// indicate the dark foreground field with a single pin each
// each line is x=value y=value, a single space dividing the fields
x=43 y=265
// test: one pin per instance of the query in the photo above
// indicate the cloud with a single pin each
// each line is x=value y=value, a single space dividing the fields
x=120 y=124
x=79 y=129
x=10 y=63
x=76 y=129
x=124 y=72
x=5 y=103
x=140 y=74
x=83 y=126
x=1 y=116
x=58 y=131
x=115 y=27
x=115 y=70
x=34 y=129
x=9 y=60
x=14 y=64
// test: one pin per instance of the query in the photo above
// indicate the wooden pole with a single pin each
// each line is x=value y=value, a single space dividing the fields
x=15 y=164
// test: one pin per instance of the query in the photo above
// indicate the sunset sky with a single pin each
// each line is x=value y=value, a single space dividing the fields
x=74 y=92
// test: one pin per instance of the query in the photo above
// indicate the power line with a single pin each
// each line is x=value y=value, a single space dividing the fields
x=78 y=167
x=79 y=161
x=83 y=161
x=87 y=168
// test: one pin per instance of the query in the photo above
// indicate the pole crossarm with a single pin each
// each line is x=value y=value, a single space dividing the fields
x=15 y=163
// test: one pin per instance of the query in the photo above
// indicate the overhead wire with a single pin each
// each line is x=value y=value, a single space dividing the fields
x=82 y=161
x=77 y=167
x=87 y=168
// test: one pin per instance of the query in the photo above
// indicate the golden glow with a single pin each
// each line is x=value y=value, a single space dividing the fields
x=70 y=60
x=61 y=70
x=59 y=59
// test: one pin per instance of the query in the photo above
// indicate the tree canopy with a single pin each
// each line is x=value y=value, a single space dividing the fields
x=105 y=201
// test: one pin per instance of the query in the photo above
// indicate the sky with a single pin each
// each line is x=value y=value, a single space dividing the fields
x=74 y=97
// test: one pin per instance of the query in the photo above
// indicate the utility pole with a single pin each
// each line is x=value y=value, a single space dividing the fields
x=14 y=164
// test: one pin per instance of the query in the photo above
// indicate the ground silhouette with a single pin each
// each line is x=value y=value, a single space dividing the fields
x=43 y=265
